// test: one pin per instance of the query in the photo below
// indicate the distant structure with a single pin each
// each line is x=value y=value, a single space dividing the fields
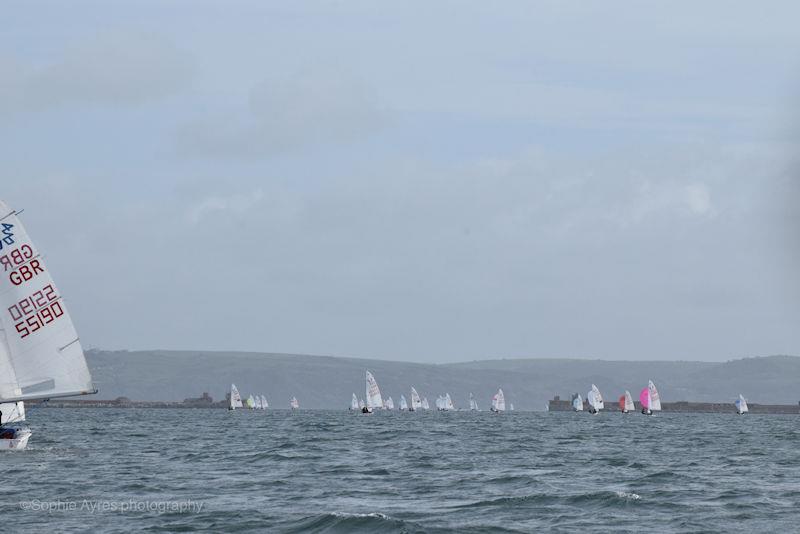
x=204 y=400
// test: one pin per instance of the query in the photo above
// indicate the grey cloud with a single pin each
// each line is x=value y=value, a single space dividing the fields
x=114 y=69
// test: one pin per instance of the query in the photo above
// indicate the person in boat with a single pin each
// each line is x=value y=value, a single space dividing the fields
x=364 y=410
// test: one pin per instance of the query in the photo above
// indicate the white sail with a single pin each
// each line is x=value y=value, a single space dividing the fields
x=236 y=399
x=264 y=403
x=499 y=401
x=741 y=405
x=448 y=402
x=12 y=412
x=361 y=404
x=425 y=404
x=416 y=403
x=655 y=399
x=403 y=403
x=40 y=354
x=374 y=399
x=389 y=404
x=293 y=404
x=354 y=402
x=251 y=402
x=511 y=407
x=629 y=406
x=257 y=402
x=577 y=403
x=598 y=398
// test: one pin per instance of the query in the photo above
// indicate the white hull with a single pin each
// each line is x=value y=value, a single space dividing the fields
x=18 y=443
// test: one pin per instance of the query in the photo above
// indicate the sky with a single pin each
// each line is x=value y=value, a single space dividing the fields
x=429 y=182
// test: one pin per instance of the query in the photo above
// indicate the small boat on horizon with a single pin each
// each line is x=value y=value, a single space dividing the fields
x=650 y=399
x=741 y=405
x=498 y=402
x=293 y=404
x=235 y=400
x=626 y=403
x=374 y=399
x=577 y=402
x=403 y=403
x=595 y=400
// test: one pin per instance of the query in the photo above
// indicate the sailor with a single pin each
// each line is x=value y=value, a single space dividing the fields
x=364 y=410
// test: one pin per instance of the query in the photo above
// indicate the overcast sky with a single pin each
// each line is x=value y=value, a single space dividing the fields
x=427 y=181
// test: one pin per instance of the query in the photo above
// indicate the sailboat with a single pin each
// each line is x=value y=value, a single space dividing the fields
x=40 y=353
x=499 y=402
x=577 y=403
x=650 y=399
x=595 y=400
x=389 y=404
x=511 y=407
x=425 y=404
x=293 y=404
x=374 y=399
x=235 y=399
x=626 y=403
x=354 y=403
x=403 y=403
x=250 y=403
x=473 y=404
x=264 y=403
x=361 y=404
x=416 y=403
x=741 y=405
x=440 y=402
x=257 y=403
x=448 y=402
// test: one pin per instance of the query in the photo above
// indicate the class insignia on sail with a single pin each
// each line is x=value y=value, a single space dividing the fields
x=40 y=354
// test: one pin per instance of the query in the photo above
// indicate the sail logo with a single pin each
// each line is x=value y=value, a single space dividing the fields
x=7 y=235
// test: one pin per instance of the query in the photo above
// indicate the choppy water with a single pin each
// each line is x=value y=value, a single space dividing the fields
x=314 y=471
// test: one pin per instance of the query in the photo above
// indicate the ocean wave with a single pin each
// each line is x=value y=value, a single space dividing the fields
x=347 y=522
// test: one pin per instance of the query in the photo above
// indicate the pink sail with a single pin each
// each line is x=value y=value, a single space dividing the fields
x=644 y=398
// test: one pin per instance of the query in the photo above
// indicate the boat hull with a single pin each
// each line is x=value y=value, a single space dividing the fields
x=19 y=442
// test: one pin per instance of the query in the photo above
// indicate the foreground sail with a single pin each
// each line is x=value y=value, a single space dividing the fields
x=416 y=403
x=374 y=399
x=741 y=405
x=499 y=401
x=40 y=353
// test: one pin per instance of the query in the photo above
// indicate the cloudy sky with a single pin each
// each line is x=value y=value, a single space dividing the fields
x=428 y=181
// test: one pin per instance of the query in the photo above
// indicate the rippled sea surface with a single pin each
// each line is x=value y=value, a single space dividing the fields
x=318 y=471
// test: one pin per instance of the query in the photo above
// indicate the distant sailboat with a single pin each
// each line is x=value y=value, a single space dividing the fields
x=264 y=403
x=741 y=405
x=650 y=399
x=257 y=403
x=361 y=404
x=416 y=403
x=40 y=353
x=236 y=399
x=499 y=401
x=251 y=402
x=577 y=403
x=374 y=399
x=511 y=407
x=595 y=400
x=425 y=404
x=354 y=403
x=448 y=403
x=473 y=404
x=293 y=404
x=389 y=404
x=626 y=403
x=440 y=403
x=403 y=403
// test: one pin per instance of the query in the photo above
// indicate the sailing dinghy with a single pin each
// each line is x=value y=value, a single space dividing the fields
x=40 y=353
x=626 y=403
x=374 y=399
x=741 y=405
x=595 y=400
x=403 y=403
x=293 y=404
x=416 y=403
x=650 y=399
x=473 y=404
x=425 y=404
x=354 y=403
x=264 y=403
x=499 y=402
x=389 y=404
x=235 y=400
x=577 y=403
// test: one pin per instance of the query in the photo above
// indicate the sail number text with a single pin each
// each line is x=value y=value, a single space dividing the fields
x=22 y=263
x=35 y=312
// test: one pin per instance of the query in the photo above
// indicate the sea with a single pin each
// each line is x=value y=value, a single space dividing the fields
x=210 y=470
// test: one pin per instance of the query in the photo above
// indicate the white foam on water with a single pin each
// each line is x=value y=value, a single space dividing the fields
x=628 y=495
